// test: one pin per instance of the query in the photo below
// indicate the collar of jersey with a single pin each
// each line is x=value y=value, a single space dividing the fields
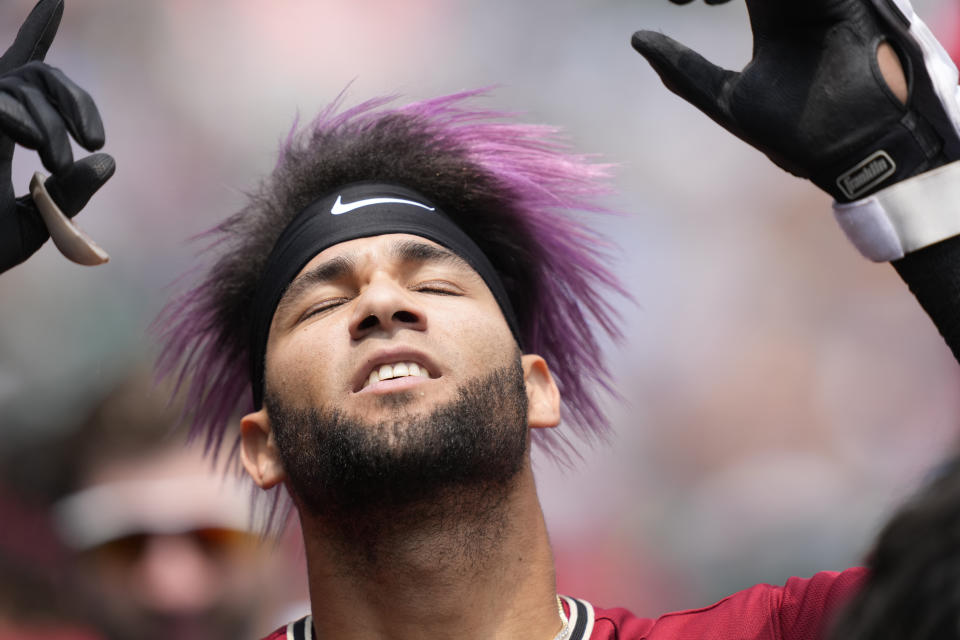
x=579 y=612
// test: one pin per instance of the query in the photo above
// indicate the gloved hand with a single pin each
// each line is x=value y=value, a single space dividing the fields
x=39 y=105
x=813 y=97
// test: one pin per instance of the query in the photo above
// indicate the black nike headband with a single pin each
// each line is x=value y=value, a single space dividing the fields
x=357 y=210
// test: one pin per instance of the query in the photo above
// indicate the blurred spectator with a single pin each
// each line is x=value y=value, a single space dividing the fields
x=914 y=586
x=156 y=543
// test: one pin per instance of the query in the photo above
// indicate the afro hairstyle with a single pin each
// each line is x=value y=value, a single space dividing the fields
x=514 y=188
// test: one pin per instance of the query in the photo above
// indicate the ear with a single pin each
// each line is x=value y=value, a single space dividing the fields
x=543 y=397
x=258 y=450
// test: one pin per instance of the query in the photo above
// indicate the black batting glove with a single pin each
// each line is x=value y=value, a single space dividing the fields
x=39 y=108
x=813 y=98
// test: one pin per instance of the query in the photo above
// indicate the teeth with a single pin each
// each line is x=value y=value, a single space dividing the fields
x=397 y=370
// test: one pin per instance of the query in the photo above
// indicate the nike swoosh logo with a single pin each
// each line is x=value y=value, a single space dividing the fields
x=339 y=207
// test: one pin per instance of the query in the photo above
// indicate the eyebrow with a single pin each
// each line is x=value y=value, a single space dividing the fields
x=420 y=252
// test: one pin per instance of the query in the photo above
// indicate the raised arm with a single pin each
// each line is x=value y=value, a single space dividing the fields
x=824 y=97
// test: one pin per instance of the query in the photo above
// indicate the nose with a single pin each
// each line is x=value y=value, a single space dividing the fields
x=386 y=306
x=174 y=576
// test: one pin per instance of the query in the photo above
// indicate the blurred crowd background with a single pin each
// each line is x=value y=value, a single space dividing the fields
x=780 y=394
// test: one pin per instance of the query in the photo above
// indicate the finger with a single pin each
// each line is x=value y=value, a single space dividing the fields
x=24 y=231
x=54 y=147
x=35 y=35
x=7 y=147
x=17 y=124
x=75 y=105
x=686 y=73
x=73 y=187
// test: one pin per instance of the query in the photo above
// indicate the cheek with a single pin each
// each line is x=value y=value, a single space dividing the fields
x=302 y=365
x=487 y=343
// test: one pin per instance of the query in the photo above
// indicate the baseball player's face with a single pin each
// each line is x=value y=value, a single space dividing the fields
x=376 y=323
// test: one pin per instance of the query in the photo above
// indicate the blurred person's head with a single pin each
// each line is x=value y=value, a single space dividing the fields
x=161 y=542
x=913 y=590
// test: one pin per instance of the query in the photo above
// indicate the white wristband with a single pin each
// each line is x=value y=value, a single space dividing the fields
x=907 y=216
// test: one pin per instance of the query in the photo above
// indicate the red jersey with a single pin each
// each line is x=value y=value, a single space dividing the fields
x=799 y=610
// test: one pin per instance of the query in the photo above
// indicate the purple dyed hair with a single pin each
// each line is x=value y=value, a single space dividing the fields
x=514 y=188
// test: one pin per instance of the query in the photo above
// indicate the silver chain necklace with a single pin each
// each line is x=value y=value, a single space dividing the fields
x=565 y=629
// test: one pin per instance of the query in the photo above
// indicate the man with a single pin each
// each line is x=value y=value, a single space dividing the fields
x=429 y=456
x=406 y=301
x=159 y=543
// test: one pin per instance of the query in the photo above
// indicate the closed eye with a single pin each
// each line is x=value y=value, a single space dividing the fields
x=438 y=287
x=322 y=307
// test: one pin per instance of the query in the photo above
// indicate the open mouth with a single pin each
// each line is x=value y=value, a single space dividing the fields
x=395 y=370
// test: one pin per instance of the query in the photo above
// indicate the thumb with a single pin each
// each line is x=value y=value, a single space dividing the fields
x=75 y=185
x=688 y=74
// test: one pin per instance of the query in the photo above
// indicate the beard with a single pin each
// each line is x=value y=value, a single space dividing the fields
x=462 y=455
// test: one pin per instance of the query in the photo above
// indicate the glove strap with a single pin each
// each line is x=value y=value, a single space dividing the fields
x=907 y=216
